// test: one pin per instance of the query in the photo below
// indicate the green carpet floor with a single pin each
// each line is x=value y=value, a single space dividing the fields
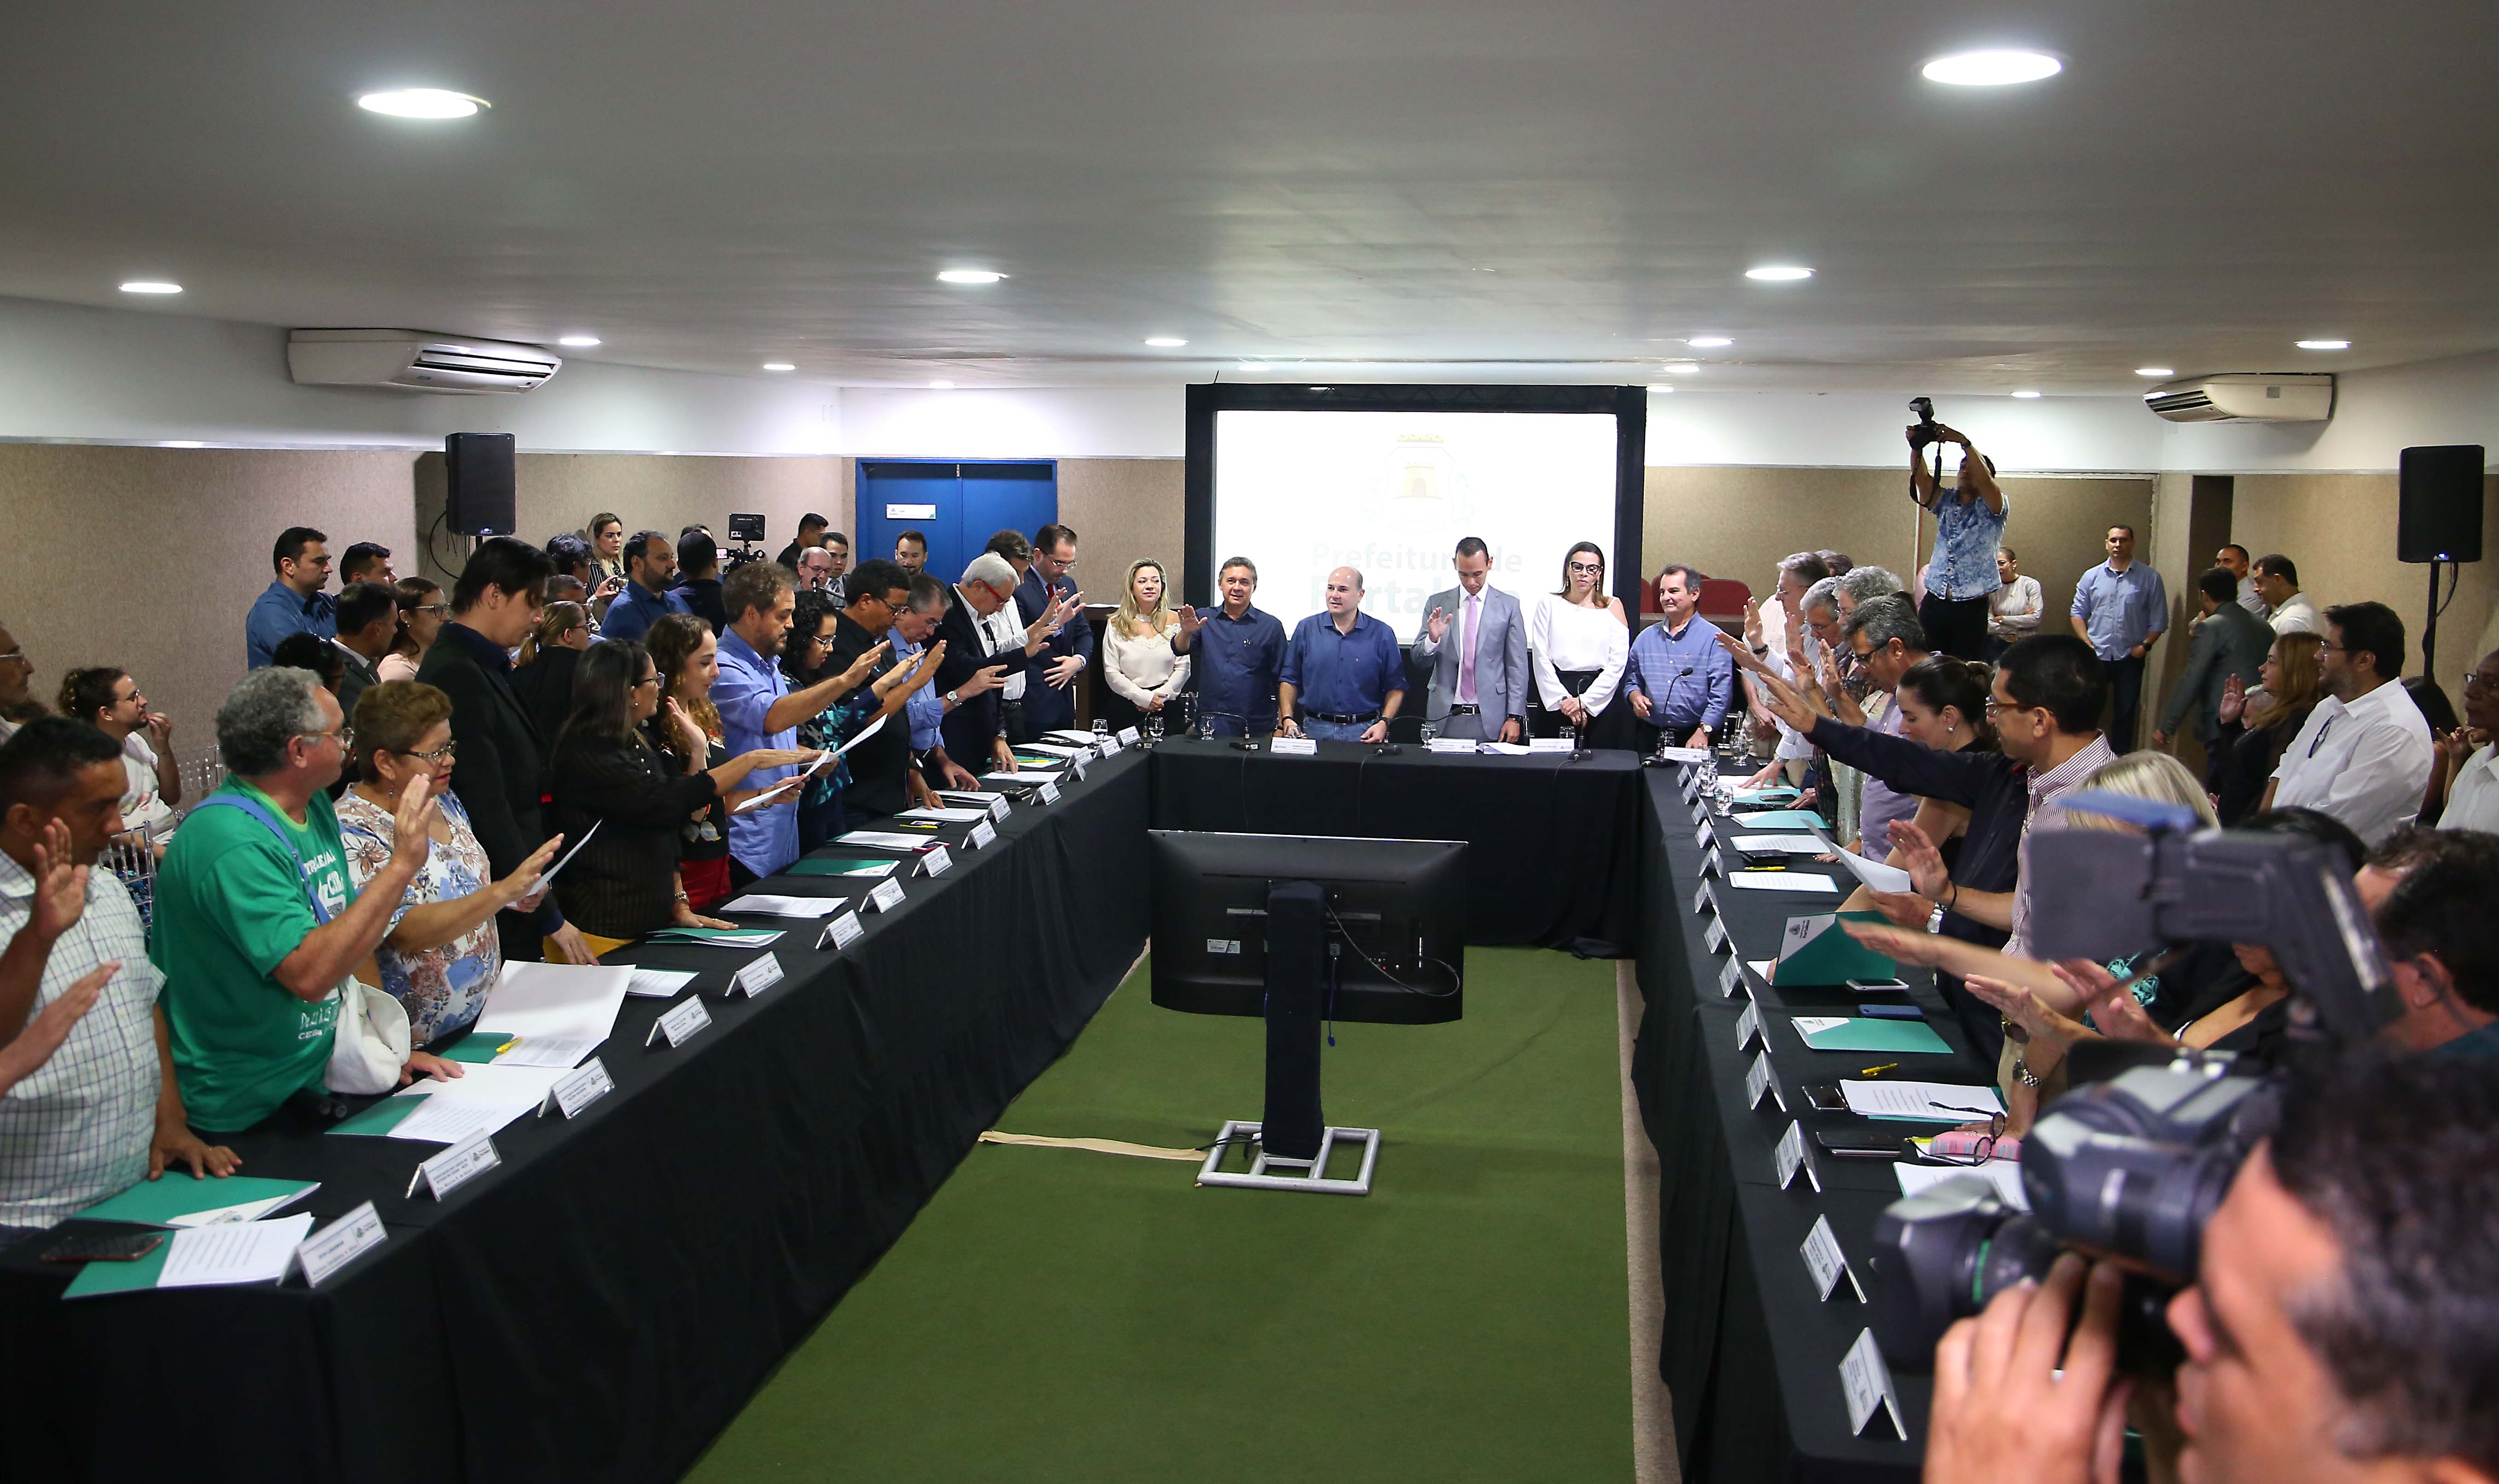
x=1060 y=1314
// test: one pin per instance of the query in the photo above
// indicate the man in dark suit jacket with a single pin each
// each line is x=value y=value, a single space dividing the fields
x=497 y=775
x=1054 y=673
x=974 y=729
x=698 y=585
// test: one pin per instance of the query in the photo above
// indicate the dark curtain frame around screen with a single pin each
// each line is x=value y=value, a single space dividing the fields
x=1629 y=405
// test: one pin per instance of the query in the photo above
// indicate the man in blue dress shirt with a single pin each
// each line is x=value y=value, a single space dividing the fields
x=649 y=595
x=1679 y=676
x=1345 y=672
x=2121 y=610
x=757 y=710
x=293 y=602
x=1050 y=699
x=1240 y=654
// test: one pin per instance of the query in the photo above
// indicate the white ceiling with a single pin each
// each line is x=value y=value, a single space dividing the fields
x=1450 y=188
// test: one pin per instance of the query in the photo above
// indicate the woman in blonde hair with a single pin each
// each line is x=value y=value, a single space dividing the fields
x=2254 y=736
x=543 y=673
x=1137 y=662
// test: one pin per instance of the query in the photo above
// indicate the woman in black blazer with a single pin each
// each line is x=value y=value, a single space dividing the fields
x=542 y=671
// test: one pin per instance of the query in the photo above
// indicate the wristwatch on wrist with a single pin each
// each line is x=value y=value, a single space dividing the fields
x=954 y=698
x=1935 y=921
x=2022 y=1074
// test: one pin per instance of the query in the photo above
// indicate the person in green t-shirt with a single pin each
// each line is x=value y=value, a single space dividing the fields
x=251 y=973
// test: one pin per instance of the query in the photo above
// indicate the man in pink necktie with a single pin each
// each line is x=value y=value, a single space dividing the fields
x=1478 y=687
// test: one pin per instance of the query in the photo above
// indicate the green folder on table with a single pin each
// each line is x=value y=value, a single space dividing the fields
x=157 y=1202
x=1769 y=793
x=1815 y=950
x=477 y=1050
x=120 y=1277
x=1867 y=1033
x=379 y=1120
x=1779 y=818
x=840 y=865
x=718 y=937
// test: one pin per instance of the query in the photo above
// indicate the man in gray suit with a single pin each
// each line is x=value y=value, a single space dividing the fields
x=2229 y=640
x=1480 y=676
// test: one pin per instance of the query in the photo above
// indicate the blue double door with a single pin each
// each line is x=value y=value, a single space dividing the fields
x=955 y=505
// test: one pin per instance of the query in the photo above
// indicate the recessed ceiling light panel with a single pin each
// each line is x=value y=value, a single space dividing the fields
x=150 y=287
x=1992 y=69
x=422 y=103
x=2320 y=345
x=2026 y=393
x=1709 y=341
x=1165 y=341
x=2154 y=371
x=1778 y=272
x=969 y=276
x=1661 y=388
x=580 y=342
x=779 y=366
x=1681 y=369
x=941 y=386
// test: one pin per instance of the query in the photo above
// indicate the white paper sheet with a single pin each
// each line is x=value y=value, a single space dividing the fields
x=449 y=1120
x=550 y=873
x=555 y=999
x=1876 y=874
x=2005 y=1173
x=1784 y=844
x=1783 y=880
x=886 y=840
x=562 y=1053
x=1032 y=778
x=489 y=1082
x=1924 y=1102
x=946 y=816
x=236 y=1252
x=1505 y=749
x=764 y=904
x=659 y=983
x=247 y=1210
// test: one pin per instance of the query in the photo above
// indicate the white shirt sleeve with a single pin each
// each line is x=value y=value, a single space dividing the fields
x=1540 y=639
x=1610 y=675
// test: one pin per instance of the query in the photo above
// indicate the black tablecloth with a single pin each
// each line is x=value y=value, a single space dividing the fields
x=601 y=1305
x=1555 y=844
x=1750 y=1354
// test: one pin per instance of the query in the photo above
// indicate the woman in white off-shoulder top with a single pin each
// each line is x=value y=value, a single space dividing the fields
x=1137 y=662
x=1579 y=641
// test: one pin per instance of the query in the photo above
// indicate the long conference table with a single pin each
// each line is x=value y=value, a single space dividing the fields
x=602 y=1303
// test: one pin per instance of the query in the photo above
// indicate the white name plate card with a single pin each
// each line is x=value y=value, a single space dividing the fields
x=984 y=835
x=886 y=896
x=1127 y=736
x=1827 y=1263
x=1730 y=980
x=1701 y=836
x=681 y=1024
x=1049 y=793
x=1748 y=1024
x=454 y=1167
x=1078 y=763
x=759 y=974
x=1759 y=1079
x=578 y=1088
x=1866 y=1382
x=1792 y=1157
x=842 y=931
x=1713 y=938
x=934 y=862
x=999 y=805
x=1701 y=899
x=1293 y=747
x=340 y=1244
x=1710 y=865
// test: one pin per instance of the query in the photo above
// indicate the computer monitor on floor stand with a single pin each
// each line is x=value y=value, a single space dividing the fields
x=1300 y=930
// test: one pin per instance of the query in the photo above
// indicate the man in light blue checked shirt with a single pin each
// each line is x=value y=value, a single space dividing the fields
x=1679 y=676
x=2121 y=610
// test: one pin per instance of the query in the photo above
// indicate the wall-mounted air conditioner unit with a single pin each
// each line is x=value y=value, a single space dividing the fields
x=2244 y=397
x=415 y=360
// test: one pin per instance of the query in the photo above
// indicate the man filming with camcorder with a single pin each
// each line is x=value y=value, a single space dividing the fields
x=1969 y=526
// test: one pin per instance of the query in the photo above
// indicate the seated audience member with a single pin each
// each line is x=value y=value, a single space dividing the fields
x=18 y=702
x=759 y=712
x=2464 y=785
x=816 y=571
x=1050 y=701
x=1577 y=643
x=806 y=661
x=440 y=957
x=542 y=671
x=576 y=559
x=2255 y=726
x=698 y=577
x=1143 y=672
x=1678 y=678
x=101 y=1112
x=2229 y=643
x=499 y=780
x=367 y=561
x=2287 y=608
x=368 y=615
x=293 y=602
x=562 y=589
x=811 y=537
x=1863 y=583
x=607 y=534
x=880 y=767
x=2340 y=1326
x=1943 y=703
x=2429 y=893
x=2364 y=754
x=109 y=699
x=649 y=595
x=315 y=653
x=2013 y=609
x=1962 y=573
x=1239 y=652
x=975 y=725
x=257 y=923
x=609 y=773
x=422 y=609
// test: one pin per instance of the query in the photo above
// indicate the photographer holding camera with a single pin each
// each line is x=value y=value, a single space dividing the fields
x=1969 y=526
x=2343 y=1324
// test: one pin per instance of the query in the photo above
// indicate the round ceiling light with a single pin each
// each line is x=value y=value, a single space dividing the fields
x=150 y=287
x=1992 y=69
x=969 y=276
x=941 y=386
x=1165 y=341
x=1777 y=272
x=422 y=103
x=1681 y=368
x=2308 y=344
x=2154 y=371
x=580 y=342
x=779 y=366
x=1709 y=341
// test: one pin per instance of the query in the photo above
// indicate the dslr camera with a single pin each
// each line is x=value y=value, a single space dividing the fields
x=2131 y=1168
x=745 y=530
x=1924 y=430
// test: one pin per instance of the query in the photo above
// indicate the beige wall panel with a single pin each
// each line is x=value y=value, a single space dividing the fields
x=2340 y=528
x=149 y=557
x=1124 y=510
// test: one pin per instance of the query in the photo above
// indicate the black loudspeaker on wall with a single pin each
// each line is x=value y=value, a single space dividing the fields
x=480 y=466
x=2440 y=518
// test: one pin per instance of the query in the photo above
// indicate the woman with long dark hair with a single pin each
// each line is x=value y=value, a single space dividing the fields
x=1581 y=641
x=2253 y=738
x=542 y=672
x=806 y=658
x=422 y=608
x=607 y=772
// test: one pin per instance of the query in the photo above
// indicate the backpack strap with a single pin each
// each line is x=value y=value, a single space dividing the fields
x=269 y=822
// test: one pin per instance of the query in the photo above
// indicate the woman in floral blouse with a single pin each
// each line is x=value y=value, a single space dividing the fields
x=440 y=957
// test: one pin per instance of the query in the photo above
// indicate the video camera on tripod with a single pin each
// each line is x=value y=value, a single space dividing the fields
x=747 y=531
x=2131 y=1168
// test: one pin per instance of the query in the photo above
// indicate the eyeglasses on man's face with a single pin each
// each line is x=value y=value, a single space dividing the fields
x=346 y=737
x=2474 y=680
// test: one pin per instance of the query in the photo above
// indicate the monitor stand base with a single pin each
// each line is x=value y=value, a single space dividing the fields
x=1311 y=1174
